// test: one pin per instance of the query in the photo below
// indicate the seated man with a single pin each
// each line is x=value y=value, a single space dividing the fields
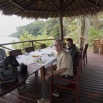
x=64 y=69
x=73 y=50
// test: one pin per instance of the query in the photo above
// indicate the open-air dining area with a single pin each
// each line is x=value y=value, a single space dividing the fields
x=58 y=69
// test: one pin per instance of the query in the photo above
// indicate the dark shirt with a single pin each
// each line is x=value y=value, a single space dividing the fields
x=73 y=50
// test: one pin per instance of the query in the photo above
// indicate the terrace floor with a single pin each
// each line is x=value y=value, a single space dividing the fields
x=91 y=86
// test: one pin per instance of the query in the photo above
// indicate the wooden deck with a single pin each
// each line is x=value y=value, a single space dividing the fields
x=91 y=86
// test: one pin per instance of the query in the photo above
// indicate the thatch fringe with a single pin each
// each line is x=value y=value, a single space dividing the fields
x=50 y=8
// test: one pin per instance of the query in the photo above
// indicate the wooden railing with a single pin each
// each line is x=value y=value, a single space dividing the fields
x=29 y=42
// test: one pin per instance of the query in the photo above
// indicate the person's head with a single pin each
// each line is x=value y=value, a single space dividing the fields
x=58 y=45
x=69 y=42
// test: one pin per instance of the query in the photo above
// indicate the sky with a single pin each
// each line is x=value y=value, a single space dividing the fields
x=8 y=24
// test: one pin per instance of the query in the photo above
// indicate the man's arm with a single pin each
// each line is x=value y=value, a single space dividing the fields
x=59 y=71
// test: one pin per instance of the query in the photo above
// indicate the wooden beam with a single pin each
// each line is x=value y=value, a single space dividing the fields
x=87 y=3
x=37 y=10
x=60 y=26
x=80 y=4
x=5 y=47
x=55 y=5
x=16 y=4
x=47 y=3
x=68 y=4
x=90 y=8
x=94 y=3
x=31 y=3
x=97 y=2
x=74 y=9
x=60 y=2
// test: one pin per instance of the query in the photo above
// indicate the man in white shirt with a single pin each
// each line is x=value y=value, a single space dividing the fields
x=64 y=69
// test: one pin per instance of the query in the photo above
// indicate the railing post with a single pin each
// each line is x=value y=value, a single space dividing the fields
x=32 y=43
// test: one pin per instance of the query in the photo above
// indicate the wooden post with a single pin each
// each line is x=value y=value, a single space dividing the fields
x=32 y=43
x=61 y=26
x=42 y=72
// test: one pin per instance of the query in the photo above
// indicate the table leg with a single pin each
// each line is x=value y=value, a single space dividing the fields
x=42 y=72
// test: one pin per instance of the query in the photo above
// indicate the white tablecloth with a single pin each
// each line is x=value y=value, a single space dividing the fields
x=46 y=57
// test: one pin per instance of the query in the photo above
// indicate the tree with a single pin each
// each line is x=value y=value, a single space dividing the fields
x=44 y=36
x=74 y=27
x=94 y=34
x=71 y=30
x=23 y=37
x=26 y=36
x=33 y=28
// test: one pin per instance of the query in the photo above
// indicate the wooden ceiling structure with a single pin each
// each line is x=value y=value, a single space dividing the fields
x=51 y=8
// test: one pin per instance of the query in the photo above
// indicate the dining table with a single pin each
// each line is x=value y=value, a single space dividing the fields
x=40 y=59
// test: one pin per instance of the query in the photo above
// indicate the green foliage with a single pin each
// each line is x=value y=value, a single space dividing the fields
x=94 y=34
x=71 y=30
x=26 y=36
x=38 y=27
x=44 y=36
x=33 y=28
x=49 y=28
x=23 y=37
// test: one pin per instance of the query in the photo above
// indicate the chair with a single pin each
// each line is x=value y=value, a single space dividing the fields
x=43 y=46
x=73 y=86
x=84 y=54
x=15 y=52
x=29 y=49
x=76 y=62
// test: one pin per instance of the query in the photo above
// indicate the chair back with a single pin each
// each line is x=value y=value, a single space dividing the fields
x=79 y=68
x=43 y=46
x=29 y=49
x=85 y=48
x=15 y=52
x=77 y=58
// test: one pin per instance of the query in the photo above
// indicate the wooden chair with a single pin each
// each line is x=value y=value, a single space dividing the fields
x=73 y=84
x=84 y=54
x=43 y=46
x=29 y=49
x=15 y=52
x=78 y=59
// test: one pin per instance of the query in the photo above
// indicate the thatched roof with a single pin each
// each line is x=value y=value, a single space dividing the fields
x=50 y=8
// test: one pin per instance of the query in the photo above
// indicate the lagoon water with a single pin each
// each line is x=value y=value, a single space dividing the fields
x=6 y=39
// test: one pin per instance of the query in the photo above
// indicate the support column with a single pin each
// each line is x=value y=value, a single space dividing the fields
x=60 y=26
